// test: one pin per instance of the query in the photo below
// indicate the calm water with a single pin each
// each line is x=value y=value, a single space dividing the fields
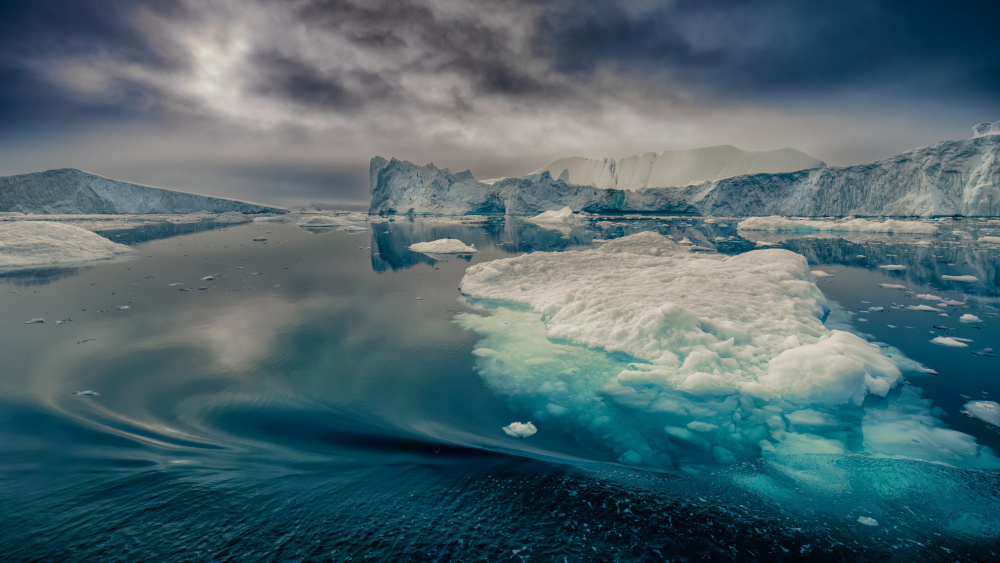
x=310 y=397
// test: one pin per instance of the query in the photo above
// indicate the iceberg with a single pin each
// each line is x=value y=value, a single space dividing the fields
x=959 y=177
x=663 y=357
x=443 y=246
x=676 y=168
x=27 y=244
x=72 y=191
x=987 y=411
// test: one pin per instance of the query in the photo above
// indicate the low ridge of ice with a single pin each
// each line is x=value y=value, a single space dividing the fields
x=775 y=223
x=669 y=358
x=26 y=244
x=443 y=246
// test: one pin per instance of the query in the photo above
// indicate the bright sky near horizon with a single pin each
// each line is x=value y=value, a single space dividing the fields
x=286 y=101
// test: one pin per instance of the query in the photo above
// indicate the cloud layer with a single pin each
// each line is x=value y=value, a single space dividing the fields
x=238 y=93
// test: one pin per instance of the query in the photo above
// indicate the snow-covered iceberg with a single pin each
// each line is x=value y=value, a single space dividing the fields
x=443 y=246
x=663 y=357
x=26 y=244
x=677 y=168
x=68 y=190
x=947 y=178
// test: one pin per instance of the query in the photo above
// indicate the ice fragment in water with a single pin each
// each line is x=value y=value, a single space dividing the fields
x=966 y=278
x=987 y=411
x=520 y=429
x=867 y=521
x=969 y=318
x=443 y=246
x=949 y=341
x=88 y=393
x=37 y=320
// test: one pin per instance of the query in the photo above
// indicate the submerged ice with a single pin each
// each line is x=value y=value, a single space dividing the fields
x=667 y=358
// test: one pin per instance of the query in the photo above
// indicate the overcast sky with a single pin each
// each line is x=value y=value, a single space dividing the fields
x=286 y=101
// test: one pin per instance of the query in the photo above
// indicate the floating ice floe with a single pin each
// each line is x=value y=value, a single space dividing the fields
x=969 y=318
x=775 y=224
x=949 y=341
x=987 y=411
x=36 y=320
x=45 y=243
x=867 y=521
x=927 y=308
x=667 y=358
x=520 y=429
x=821 y=274
x=989 y=240
x=942 y=300
x=87 y=393
x=443 y=246
x=965 y=278
x=894 y=267
x=564 y=215
x=892 y=286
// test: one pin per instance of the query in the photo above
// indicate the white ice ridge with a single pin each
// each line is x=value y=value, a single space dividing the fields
x=443 y=246
x=676 y=168
x=775 y=223
x=26 y=244
x=673 y=359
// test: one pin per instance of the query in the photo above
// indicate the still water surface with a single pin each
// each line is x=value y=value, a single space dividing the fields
x=310 y=397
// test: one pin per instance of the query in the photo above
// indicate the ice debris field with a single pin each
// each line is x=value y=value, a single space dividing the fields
x=671 y=359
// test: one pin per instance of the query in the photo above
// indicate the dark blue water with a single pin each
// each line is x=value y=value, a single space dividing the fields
x=315 y=401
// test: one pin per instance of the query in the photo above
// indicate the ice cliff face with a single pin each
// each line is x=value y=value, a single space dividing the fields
x=401 y=187
x=68 y=190
x=677 y=168
x=947 y=178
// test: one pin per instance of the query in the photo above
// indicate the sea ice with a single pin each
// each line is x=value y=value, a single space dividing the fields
x=775 y=223
x=949 y=341
x=989 y=240
x=987 y=411
x=965 y=278
x=520 y=429
x=443 y=246
x=45 y=243
x=927 y=308
x=821 y=274
x=675 y=359
x=867 y=521
x=969 y=318
x=895 y=267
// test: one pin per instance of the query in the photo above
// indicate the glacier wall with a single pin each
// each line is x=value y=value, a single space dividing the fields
x=959 y=177
x=677 y=168
x=68 y=190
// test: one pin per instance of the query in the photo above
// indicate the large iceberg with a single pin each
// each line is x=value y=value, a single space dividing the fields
x=959 y=177
x=677 y=168
x=664 y=357
x=68 y=190
x=26 y=244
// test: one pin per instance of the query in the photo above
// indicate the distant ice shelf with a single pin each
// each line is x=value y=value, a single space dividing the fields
x=72 y=191
x=960 y=177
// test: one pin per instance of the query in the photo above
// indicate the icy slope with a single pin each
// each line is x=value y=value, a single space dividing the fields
x=68 y=190
x=677 y=168
x=45 y=243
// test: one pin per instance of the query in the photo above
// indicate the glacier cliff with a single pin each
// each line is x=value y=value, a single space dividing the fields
x=960 y=177
x=68 y=190
x=677 y=168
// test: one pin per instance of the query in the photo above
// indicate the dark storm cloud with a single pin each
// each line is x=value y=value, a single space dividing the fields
x=285 y=77
x=486 y=55
x=782 y=47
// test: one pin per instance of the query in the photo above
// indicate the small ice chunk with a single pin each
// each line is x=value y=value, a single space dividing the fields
x=949 y=341
x=924 y=308
x=122 y=307
x=987 y=411
x=520 y=429
x=208 y=278
x=989 y=240
x=893 y=267
x=892 y=286
x=37 y=320
x=820 y=274
x=867 y=521
x=564 y=215
x=443 y=246
x=966 y=278
x=969 y=318
x=87 y=393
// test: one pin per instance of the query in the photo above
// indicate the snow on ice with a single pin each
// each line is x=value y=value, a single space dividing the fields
x=25 y=244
